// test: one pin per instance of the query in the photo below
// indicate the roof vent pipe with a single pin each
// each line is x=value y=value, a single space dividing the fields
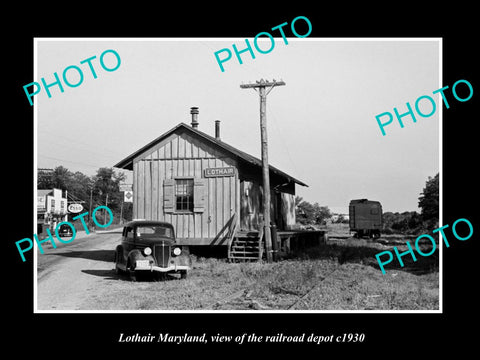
x=194 y=111
x=217 y=129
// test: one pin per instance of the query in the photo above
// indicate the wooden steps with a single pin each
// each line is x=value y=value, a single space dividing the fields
x=250 y=245
x=246 y=246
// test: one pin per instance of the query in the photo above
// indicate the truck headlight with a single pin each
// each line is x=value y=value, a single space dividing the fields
x=177 y=251
x=147 y=251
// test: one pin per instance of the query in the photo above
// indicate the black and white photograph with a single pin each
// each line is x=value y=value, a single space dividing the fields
x=273 y=183
x=176 y=150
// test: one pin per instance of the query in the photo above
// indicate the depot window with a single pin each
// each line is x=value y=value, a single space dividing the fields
x=184 y=195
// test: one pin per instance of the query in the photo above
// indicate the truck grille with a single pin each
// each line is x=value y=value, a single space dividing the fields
x=162 y=254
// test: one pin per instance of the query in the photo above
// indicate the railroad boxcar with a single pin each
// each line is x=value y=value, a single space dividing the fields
x=365 y=217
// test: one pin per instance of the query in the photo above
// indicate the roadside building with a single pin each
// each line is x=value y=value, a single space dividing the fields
x=51 y=208
x=210 y=191
x=339 y=218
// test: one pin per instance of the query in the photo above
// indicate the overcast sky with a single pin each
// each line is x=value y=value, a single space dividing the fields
x=321 y=125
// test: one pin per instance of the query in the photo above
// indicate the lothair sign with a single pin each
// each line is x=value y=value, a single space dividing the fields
x=218 y=172
x=75 y=208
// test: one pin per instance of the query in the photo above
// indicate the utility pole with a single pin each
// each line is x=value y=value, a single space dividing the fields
x=90 y=210
x=105 y=211
x=262 y=86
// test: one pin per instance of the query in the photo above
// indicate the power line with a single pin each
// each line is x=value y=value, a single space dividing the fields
x=69 y=141
x=279 y=132
x=70 y=161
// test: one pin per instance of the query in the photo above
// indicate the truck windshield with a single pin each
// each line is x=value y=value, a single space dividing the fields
x=154 y=231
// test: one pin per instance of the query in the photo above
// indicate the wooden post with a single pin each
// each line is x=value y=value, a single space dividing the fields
x=121 y=209
x=90 y=210
x=275 y=244
x=265 y=173
x=261 y=85
x=105 y=211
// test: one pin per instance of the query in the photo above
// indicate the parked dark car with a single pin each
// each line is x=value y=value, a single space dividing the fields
x=65 y=230
x=149 y=247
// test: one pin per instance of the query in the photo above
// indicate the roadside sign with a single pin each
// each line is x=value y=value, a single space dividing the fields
x=75 y=208
x=128 y=196
x=125 y=187
x=218 y=172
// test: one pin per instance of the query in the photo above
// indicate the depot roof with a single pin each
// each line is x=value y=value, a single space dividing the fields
x=127 y=163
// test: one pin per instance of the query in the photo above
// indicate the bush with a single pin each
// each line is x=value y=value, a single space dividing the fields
x=408 y=222
x=387 y=231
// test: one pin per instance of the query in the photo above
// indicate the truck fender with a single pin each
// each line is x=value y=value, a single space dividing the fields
x=184 y=258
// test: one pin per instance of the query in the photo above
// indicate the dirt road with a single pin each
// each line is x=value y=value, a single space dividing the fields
x=69 y=275
x=342 y=274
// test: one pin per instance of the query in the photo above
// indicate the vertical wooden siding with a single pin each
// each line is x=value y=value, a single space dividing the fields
x=288 y=210
x=182 y=155
x=282 y=209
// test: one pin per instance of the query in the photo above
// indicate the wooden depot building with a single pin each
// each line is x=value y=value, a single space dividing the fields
x=211 y=192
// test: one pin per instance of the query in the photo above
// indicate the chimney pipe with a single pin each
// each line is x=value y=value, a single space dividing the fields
x=194 y=111
x=217 y=129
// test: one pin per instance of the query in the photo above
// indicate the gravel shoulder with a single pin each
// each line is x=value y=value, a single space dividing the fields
x=68 y=275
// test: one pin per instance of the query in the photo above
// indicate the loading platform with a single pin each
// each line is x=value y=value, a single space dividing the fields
x=250 y=245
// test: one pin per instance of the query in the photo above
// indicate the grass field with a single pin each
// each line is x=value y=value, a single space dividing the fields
x=340 y=275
